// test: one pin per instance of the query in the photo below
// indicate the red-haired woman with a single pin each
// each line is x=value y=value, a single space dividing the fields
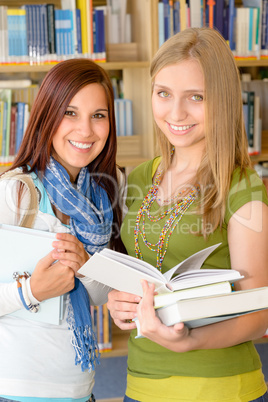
x=69 y=151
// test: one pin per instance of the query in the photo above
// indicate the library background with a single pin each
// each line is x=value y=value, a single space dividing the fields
x=123 y=35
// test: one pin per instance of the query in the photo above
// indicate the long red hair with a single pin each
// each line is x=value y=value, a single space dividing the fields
x=59 y=86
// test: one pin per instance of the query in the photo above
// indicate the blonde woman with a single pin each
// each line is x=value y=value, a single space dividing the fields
x=201 y=191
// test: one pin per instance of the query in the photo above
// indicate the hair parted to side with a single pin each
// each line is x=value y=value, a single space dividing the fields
x=226 y=140
x=59 y=86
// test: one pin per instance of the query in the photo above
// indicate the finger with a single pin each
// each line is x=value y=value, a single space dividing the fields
x=69 y=246
x=66 y=236
x=116 y=295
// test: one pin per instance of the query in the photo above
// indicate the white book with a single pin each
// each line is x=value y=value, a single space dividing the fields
x=20 y=249
x=124 y=272
x=164 y=299
x=128 y=117
x=201 y=311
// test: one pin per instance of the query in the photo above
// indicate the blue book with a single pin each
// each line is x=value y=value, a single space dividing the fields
x=166 y=19
x=232 y=15
x=29 y=26
x=58 y=32
x=43 y=32
x=226 y=21
x=68 y=35
x=99 y=35
x=36 y=43
x=176 y=17
x=78 y=31
x=20 y=124
x=218 y=20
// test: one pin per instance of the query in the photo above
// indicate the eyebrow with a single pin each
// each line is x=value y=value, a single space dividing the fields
x=96 y=111
x=165 y=88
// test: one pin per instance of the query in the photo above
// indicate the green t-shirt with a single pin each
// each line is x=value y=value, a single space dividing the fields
x=148 y=359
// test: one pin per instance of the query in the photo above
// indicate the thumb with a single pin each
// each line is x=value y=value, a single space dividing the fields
x=46 y=261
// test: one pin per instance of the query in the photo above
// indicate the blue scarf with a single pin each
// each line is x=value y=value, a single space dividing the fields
x=91 y=217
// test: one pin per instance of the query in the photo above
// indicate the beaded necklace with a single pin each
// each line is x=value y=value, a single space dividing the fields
x=176 y=211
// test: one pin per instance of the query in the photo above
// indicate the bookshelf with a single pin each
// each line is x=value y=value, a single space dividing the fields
x=142 y=146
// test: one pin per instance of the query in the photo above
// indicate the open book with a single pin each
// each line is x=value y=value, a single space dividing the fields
x=124 y=273
x=20 y=250
x=207 y=310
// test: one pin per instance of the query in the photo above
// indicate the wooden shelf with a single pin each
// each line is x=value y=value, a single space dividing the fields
x=44 y=68
x=251 y=63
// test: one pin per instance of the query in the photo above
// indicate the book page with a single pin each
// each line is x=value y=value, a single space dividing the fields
x=194 y=262
x=134 y=263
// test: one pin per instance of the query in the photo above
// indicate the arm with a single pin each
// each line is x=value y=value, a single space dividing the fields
x=248 y=239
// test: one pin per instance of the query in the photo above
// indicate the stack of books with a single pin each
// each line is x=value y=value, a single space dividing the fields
x=185 y=293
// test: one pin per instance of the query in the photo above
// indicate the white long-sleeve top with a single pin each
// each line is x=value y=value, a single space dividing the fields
x=37 y=359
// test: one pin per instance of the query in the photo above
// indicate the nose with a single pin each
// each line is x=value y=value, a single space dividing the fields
x=178 y=110
x=84 y=127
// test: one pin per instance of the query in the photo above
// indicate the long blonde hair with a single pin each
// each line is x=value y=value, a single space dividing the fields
x=226 y=140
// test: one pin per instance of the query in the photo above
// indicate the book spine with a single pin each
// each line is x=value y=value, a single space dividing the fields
x=176 y=14
x=58 y=33
x=161 y=31
x=44 y=32
x=90 y=41
x=128 y=117
x=99 y=35
x=82 y=6
x=166 y=19
x=183 y=14
x=251 y=96
x=219 y=15
x=4 y=130
x=51 y=29
x=78 y=31
x=231 y=24
x=20 y=124
x=1 y=129
x=13 y=122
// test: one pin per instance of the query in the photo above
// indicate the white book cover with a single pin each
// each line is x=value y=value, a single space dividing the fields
x=190 y=310
x=20 y=250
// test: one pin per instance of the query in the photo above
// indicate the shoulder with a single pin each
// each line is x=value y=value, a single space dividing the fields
x=140 y=180
x=144 y=171
x=246 y=186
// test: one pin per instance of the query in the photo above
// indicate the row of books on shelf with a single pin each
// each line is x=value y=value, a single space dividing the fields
x=43 y=33
x=185 y=293
x=245 y=27
x=14 y=117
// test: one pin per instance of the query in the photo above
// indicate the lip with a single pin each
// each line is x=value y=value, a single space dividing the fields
x=86 y=148
x=180 y=129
